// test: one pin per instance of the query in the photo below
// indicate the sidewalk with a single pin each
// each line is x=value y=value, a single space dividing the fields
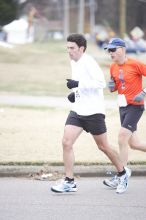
x=43 y=101
x=80 y=170
x=57 y=171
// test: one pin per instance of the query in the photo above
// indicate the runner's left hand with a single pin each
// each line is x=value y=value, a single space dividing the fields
x=139 y=97
x=72 y=83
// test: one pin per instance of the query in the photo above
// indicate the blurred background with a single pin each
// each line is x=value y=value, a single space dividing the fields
x=45 y=19
x=33 y=34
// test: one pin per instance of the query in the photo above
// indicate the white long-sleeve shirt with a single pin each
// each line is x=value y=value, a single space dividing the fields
x=89 y=97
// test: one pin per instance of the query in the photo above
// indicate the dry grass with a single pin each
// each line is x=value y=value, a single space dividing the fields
x=34 y=69
x=34 y=135
x=42 y=69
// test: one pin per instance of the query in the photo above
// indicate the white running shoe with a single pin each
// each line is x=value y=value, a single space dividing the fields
x=123 y=183
x=128 y=171
x=114 y=181
x=64 y=186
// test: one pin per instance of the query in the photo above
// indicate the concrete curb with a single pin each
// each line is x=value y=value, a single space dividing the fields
x=79 y=170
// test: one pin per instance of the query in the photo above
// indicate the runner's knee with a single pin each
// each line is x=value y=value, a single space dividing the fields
x=103 y=148
x=133 y=145
x=123 y=137
x=67 y=144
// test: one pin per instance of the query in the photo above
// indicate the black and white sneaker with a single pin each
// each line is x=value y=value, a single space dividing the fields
x=123 y=184
x=64 y=186
x=114 y=181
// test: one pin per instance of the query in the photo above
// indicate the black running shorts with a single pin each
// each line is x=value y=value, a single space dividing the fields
x=130 y=116
x=95 y=124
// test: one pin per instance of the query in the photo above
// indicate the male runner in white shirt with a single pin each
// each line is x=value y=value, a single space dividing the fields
x=87 y=113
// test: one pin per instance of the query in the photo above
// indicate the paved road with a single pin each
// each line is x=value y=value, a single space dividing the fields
x=25 y=199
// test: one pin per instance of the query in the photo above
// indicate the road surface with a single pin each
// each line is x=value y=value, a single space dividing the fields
x=27 y=199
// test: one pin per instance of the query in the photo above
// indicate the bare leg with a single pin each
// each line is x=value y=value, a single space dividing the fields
x=71 y=133
x=136 y=144
x=123 y=139
x=126 y=137
x=103 y=145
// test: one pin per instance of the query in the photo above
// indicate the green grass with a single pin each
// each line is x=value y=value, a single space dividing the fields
x=41 y=68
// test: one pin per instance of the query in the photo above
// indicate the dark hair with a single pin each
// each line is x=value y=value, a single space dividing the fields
x=79 y=39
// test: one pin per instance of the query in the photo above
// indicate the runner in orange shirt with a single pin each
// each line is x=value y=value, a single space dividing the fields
x=126 y=79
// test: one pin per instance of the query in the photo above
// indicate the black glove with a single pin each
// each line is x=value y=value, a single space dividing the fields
x=71 y=97
x=72 y=83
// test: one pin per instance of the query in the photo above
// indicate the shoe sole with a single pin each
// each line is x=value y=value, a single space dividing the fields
x=122 y=191
x=112 y=187
x=56 y=191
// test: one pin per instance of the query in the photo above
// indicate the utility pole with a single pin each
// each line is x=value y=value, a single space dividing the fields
x=81 y=16
x=92 y=16
x=122 y=18
x=66 y=18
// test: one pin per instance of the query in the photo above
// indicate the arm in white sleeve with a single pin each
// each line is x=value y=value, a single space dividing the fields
x=96 y=77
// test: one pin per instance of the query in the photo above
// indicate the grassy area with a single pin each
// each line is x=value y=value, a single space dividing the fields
x=34 y=134
x=36 y=69
x=41 y=69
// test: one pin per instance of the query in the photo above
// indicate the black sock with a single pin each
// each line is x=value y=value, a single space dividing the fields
x=122 y=173
x=69 y=179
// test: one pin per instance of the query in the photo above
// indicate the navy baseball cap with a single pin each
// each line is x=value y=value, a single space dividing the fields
x=115 y=42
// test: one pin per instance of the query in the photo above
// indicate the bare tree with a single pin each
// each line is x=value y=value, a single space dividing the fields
x=122 y=18
x=92 y=16
x=66 y=18
x=81 y=16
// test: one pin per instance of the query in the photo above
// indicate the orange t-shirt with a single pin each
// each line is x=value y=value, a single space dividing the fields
x=128 y=78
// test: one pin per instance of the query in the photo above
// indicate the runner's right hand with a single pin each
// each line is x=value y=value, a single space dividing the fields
x=71 y=97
